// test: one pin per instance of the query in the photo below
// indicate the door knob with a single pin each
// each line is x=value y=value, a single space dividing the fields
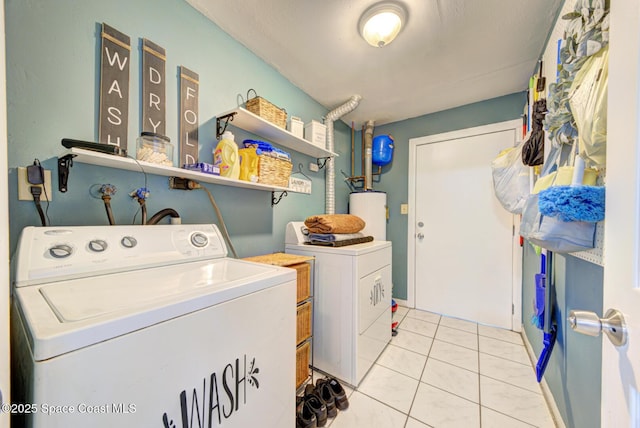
x=420 y=235
x=613 y=325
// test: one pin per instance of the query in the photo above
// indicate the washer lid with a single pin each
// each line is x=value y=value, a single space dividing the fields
x=68 y=315
x=80 y=300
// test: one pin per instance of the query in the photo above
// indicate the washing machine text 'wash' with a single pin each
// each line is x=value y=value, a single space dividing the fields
x=220 y=397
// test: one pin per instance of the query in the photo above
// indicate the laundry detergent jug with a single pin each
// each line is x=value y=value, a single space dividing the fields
x=225 y=156
x=249 y=164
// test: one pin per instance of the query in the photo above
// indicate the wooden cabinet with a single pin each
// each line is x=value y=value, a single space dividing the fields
x=304 y=319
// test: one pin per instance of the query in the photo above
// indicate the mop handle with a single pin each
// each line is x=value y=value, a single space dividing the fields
x=578 y=172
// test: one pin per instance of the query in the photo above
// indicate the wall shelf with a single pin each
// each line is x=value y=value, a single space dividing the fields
x=250 y=122
x=129 y=164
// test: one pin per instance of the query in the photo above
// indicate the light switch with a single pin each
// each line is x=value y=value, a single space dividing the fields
x=404 y=208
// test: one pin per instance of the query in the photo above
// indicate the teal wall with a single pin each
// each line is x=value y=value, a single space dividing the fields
x=575 y=367
x=393 y=179
x=53 y=74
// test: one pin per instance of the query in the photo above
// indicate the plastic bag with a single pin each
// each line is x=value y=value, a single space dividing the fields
x=533 y=149
x=554 y=234
x=588 y=100
x=511 y=179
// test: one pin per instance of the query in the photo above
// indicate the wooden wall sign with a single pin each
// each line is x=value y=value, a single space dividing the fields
x=114 y=87
x=188 y=116
x=154 y=103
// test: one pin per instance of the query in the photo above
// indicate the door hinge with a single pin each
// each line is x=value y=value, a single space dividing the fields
x=513 y=309
x=513 y=230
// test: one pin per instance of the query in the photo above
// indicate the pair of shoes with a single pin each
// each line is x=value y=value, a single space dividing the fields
x=331 y=386
x=310 y=404
x=305 y=418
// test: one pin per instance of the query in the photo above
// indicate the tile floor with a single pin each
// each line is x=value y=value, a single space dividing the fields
x=446 y=372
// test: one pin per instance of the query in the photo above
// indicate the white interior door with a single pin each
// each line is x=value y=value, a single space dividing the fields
x=621 y=365
x=461 y=236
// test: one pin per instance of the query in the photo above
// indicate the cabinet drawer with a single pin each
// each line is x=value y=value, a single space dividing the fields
x=304 y=281
x=303 y=329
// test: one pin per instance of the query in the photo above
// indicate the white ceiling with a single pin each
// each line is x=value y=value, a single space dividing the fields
x=450 y=53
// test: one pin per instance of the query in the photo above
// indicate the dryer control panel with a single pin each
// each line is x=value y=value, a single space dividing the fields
x=47 y=254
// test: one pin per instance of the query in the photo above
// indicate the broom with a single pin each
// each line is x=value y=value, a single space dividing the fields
x=576 y=202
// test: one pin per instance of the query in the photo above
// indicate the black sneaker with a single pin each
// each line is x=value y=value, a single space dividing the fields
x=340 y=395
x=305 y=417
x=318 y=407
x=326 y=394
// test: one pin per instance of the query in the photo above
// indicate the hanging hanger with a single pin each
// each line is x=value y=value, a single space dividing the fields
x=299 y=171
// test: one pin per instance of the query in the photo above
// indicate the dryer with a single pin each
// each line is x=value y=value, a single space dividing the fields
x=149 y=326
x=351 y=303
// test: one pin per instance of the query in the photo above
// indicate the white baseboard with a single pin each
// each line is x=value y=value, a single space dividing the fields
x=546 y=392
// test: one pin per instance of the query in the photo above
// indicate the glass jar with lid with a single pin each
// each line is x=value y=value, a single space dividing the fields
x=154 y=148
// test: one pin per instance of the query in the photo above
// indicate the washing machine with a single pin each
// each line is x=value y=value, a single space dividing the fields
x=140 y=326
x=351 y=303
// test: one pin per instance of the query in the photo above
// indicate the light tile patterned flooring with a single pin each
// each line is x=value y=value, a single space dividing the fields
x=445 y=372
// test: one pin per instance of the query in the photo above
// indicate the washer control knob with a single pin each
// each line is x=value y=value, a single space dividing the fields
x=97 y=245
x=129 y=242
x=199 y=240
x=60 y=251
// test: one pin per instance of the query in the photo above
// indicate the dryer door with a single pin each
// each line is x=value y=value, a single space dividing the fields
x=374 y=297
x=374 y=319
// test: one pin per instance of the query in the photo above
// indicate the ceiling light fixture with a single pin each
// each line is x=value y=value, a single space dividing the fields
x=382 y=22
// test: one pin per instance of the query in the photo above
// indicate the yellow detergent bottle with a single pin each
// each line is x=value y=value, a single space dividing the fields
x=249 y=164
x=225 y=156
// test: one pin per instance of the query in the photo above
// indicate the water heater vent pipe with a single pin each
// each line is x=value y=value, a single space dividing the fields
x=330 y=184
x=368 y=156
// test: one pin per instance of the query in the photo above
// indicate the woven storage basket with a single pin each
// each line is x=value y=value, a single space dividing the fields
x=274 y=171
x=303 y=354
x=303 y=289
x=269 y=112
x=303 y=324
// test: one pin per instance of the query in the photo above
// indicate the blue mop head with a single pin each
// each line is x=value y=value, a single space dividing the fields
x=573 y=203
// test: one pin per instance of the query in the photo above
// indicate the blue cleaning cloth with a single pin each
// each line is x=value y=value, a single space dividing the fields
x=573 y=203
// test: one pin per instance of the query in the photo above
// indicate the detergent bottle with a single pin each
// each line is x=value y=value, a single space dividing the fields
x=249 y=164
x=225 y=156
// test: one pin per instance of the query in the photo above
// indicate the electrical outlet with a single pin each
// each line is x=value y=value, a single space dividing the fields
x=313 y=167
x=404 y=208
x=24 y=187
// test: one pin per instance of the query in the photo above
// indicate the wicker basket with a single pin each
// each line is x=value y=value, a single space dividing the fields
x=274 y=171
x=269 y=112
x=303 y=354
x=303 y=322
x=304 y=284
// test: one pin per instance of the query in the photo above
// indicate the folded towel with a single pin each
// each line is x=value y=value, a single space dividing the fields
x=334 y=223
x=342 y=243
x=333 y=237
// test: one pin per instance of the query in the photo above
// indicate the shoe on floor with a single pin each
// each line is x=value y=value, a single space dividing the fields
x=326 y=394
x=342 y=403
x=318 y=407
x=305 y=417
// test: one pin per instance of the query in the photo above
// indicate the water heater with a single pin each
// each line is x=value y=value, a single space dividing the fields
x=371 y=206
